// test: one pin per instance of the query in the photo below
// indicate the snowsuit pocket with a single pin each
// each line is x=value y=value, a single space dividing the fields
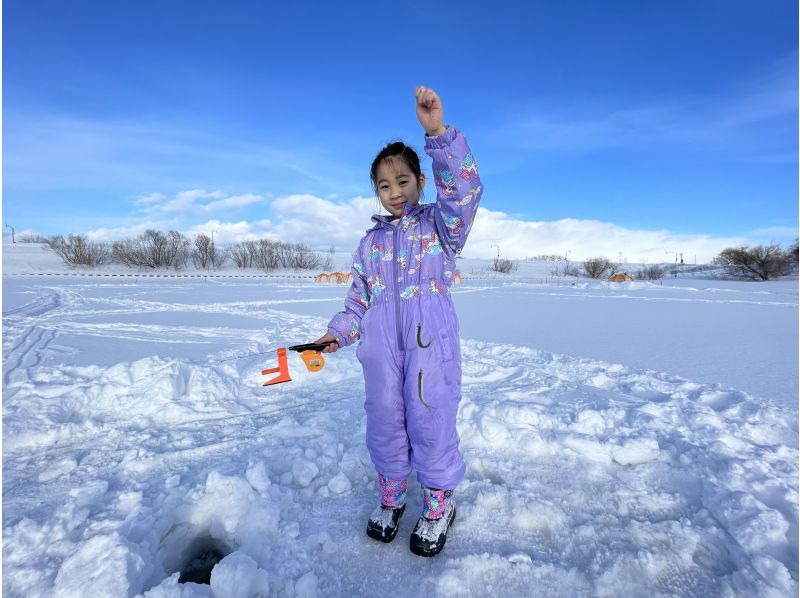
x=445 y=346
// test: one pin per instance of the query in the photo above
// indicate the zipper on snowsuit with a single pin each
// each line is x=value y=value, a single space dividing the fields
x=419 y=338
x=395 y=234
x=419 y=390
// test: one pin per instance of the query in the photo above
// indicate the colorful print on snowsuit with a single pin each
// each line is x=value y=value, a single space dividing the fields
x=411 y=291
x=376 y=285
x=447 y=183
x=376 y=251
x=402 y=258
x=469 y=169
x=454 y=224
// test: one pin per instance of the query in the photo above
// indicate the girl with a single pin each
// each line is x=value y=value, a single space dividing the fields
x=399 y=307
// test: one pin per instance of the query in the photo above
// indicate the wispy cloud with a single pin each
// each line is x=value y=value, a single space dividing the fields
x=195 y=201
x=743 y=119
x=47 y=152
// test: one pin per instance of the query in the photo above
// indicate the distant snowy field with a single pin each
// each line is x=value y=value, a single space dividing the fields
x=634 y=439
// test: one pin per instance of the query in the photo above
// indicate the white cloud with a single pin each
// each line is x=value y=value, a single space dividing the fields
x=228 y=233
x=774 y=234
x=149 y=199
x=586 y=238
x=195 y=201
x=114 y=233
x=322 y=223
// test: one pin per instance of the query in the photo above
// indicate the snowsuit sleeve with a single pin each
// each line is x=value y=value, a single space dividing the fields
x=458 y=187
x=345 y=326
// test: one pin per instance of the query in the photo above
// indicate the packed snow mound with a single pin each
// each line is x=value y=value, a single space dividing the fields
x=584 y=478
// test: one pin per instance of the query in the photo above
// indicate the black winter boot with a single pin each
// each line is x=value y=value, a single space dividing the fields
x=384 y=522
x=430 y=535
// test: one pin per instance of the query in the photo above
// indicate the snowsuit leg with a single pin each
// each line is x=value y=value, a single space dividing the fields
x=387 y=440
x=432 y=392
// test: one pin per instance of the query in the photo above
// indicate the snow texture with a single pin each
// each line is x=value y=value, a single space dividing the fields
x=137 y=436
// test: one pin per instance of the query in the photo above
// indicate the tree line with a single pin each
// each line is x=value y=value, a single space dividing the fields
x=157 y=249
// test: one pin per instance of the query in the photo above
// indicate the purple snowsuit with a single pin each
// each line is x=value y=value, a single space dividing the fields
x=399 y=306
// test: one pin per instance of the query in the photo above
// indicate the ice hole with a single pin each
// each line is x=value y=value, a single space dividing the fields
x=192 y=552
x=201 y=556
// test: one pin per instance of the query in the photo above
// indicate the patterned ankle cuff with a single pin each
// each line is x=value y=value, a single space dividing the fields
x=435 y=502
x=393 y=492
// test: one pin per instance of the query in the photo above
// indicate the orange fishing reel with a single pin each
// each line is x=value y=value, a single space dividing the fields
x=311 y=355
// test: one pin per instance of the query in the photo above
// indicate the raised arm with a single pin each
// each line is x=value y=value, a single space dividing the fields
x=455 y=173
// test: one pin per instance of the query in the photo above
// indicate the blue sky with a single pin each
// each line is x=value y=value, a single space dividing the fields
x=679 y=117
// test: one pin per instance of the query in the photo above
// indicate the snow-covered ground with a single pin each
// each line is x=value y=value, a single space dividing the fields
x=621 y=440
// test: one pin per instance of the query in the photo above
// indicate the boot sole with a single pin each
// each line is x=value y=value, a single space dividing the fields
x=420 y=551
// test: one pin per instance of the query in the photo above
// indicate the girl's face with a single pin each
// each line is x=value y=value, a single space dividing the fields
x=397 y=185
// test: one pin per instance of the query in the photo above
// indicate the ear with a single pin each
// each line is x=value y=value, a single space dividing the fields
x=421 y=181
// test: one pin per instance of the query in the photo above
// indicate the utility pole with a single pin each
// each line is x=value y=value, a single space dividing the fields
x=212 y=248
x=498 y=250
x=12 y=232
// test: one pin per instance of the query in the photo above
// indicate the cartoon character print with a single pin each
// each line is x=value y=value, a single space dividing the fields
x=358 y=267
x=430 y=244
x=376 y=285
x=376 y=251
x=361 y=296
x=469 y=170
x=436 y=288
x=454 y=224
x=387 y=256
x=402 y=258
x=469 y=197
x=411 y=291
x=355 y=330
x=446 y=181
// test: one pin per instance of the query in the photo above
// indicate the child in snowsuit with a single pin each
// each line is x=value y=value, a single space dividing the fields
x=400 y=309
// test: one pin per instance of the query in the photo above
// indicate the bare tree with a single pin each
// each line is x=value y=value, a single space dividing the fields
x=240 y=255
x=77 y=250
x=503 y=265
x=302 y=258
x=761 y=262
x=267 y=255
x=153 y=249
x=650 y=273
x=597 y=267
x=202 y=251
x=32 y=238
x=792 y=254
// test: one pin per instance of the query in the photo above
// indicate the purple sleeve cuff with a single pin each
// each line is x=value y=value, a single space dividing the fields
x=443 y=140
x=339 y=338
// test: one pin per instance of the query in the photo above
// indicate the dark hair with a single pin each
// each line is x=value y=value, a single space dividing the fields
x=400 y=150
